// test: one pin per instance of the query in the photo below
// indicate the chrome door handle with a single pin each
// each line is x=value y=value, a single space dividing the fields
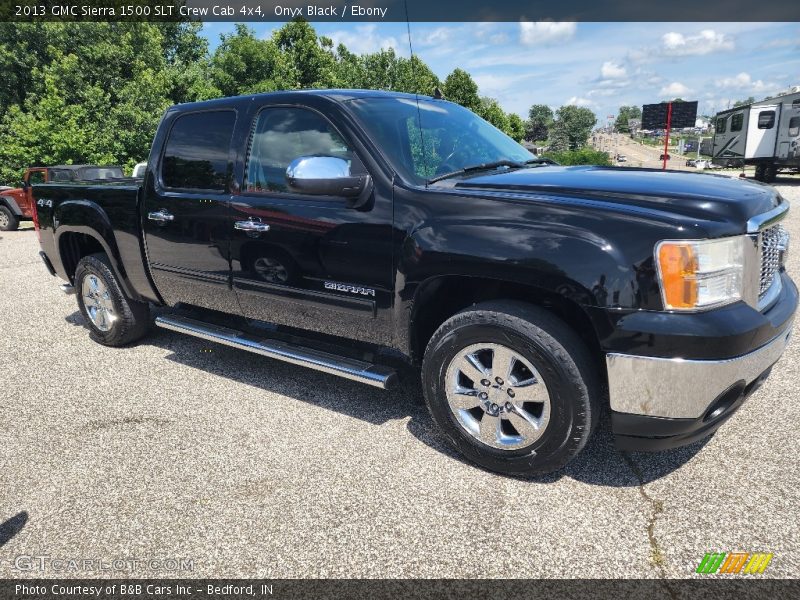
x=160 y=216
x=251 y=226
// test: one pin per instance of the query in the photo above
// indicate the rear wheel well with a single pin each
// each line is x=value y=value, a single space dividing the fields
x=443 y=297
x=72 y=247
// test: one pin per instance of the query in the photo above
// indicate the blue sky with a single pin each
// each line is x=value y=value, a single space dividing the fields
x=598 y=65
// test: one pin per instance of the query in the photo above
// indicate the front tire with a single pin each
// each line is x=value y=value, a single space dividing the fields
x=8 y=220
x=512 y=387
x=113 y=319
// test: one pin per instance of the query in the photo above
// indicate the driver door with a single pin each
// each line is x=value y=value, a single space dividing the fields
x=309 y=261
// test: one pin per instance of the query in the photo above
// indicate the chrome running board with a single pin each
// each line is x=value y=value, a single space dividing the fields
x=356 y=370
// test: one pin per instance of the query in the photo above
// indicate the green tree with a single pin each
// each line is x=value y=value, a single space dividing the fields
x=540 y=120
x=310 y=59
x=516 y=127
x=625 y=114
x=572 y=127
x=244 y=64
x=490 y=110
x=459 y=87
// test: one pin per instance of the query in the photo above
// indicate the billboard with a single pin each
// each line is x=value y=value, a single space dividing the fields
x=654 y=116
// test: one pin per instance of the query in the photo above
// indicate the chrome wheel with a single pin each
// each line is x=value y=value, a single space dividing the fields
x=498 y=396
x=3 y=219
x=271 y=270
x=98 y=303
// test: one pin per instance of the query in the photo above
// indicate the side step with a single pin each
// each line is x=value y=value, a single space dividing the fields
x=356 y=370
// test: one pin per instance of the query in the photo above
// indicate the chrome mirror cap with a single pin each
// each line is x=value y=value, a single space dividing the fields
x=318 y=167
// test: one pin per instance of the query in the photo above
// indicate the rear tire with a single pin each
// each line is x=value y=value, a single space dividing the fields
x=113 y=319
x=8 y=220
x=770 y=173
x=563 y=400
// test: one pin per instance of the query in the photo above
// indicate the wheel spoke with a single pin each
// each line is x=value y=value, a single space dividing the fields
x=524 y=422
x=502 y=362
x=535 y=392
x=490 y=429
x=471 y=366
x=465 y=398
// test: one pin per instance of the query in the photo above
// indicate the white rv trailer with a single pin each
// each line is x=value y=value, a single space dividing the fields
x=765 y=134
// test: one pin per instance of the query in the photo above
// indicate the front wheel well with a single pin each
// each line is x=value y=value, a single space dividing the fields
x=73 y=246
x=441 y=298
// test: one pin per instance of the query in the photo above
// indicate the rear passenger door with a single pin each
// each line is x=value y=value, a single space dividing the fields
x=308 y=261
x=186 y=211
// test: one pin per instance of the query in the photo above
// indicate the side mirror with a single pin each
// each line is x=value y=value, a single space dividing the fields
x=327 y=176
x=25 y=185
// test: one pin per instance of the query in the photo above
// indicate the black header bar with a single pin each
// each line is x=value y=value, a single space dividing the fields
x=395 y=10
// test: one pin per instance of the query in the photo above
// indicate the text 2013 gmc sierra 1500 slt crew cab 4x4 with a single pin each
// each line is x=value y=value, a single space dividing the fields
x=337 y=229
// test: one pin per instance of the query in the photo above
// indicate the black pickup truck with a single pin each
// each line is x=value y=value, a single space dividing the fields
x=341 y=230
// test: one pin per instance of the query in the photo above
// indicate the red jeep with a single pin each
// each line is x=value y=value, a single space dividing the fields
x=17 y=204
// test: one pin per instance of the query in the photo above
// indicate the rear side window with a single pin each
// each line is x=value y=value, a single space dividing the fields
x=766 y=120
x=721 y=125
x=282 y=135
x=196 y=155
x=736 y=122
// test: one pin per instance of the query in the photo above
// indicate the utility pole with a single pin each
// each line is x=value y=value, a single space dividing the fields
x=666 y=137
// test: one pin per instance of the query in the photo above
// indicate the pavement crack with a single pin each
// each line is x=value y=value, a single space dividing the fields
x=657 y=556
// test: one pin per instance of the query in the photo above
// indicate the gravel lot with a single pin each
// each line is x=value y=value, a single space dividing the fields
x=176 y=448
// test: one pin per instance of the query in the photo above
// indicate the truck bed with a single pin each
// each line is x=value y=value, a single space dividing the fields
x=103 y=213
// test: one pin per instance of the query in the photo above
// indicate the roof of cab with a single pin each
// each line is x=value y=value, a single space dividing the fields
x=336 y=95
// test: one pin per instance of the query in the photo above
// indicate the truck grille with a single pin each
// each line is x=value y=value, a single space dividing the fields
x=773 y=243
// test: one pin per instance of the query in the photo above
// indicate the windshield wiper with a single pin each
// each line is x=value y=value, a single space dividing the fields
x=512 y=164
x=481 y=167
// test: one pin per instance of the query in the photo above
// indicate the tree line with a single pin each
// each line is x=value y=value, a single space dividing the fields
x=95 y=92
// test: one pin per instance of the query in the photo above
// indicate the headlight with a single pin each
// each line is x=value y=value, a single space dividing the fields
x=698 y=274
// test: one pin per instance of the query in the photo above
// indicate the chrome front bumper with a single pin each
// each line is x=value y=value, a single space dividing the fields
x=683 y=389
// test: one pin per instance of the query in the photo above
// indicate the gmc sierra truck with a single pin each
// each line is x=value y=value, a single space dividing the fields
x=340 y=230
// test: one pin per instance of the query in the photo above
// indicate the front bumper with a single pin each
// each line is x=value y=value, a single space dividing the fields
x=659 y=402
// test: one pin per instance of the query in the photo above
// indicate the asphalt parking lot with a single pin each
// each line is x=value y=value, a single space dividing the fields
x=179 y=449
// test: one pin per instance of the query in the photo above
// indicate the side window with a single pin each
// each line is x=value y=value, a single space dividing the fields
x=736 y=122
x=36 y=177
x=281 y=135
x=721 y=123
x=196 y=152
x=794 y=127
x=766 y=119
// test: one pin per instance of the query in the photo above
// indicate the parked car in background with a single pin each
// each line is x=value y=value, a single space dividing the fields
x=702 y=163
x=16 y=204
x=622 y=158
x=691 y=162
x=664 y=156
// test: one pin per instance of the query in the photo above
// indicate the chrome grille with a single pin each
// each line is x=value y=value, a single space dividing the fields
x=772 y=244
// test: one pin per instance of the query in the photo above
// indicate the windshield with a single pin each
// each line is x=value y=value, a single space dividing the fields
x=452 y=137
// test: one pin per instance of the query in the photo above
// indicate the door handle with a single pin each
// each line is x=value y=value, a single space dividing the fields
x=161 y=216
x=251 y=226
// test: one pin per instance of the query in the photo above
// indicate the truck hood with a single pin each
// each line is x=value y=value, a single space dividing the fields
x=697 y=196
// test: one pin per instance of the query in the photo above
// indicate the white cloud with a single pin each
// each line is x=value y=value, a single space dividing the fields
x=705 y=42
x=533 y=33
x=364 y=38
x=612 y=70
x=676 y=88
x=743 y=81
x=578 y=101
x=433 y=37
